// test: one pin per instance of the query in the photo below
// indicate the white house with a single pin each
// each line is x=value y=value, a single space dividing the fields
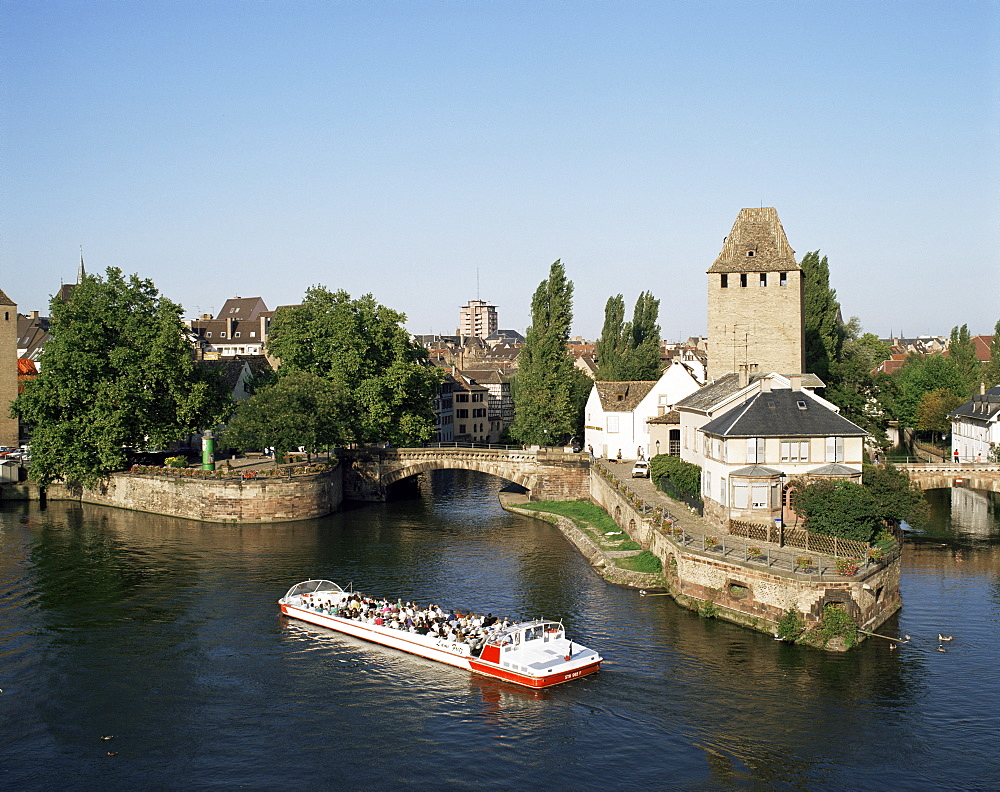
x=617 y=413
x=750 y=435
x=975 y=427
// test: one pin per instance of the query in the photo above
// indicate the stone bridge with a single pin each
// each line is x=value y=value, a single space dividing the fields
x=548 y=473
x=948 y=474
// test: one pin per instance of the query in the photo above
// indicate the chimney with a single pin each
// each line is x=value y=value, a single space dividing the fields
x=796 y=380
x=765 y=385
x=744 y=377
x=34 y=315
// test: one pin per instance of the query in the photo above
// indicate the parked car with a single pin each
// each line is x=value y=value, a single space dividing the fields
x=640 y=469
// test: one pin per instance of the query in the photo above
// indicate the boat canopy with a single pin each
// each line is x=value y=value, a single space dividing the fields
x=526 y=631
x=311 y=586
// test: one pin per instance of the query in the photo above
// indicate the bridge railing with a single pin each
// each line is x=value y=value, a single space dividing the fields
x=483 y=446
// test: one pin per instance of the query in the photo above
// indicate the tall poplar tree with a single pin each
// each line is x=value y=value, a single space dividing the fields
x=991 y=370
x=544 y=411
x=962 y=352
x=629 y=351
x=642 y=357
x=610 y=347
x=824 y=333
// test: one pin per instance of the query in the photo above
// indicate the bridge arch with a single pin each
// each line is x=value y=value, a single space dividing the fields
x=509 y=472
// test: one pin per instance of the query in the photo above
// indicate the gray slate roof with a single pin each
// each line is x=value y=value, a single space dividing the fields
x=779 y=414
x=5 y=300
x=981 y=408
x=706 y=397
x=755 y=471
x=834 y=469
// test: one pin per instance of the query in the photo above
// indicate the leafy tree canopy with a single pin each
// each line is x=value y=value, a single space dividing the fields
x=629 y=351
x=116 y=375
x=684 y=477
x=384 y=383
x=962 y=352
x=824 y=334
x=299 y=409
x=991 y=370
x=544 y=410
x=932 y=410
x=919 y=375
x=838 y=508
x=896 y=497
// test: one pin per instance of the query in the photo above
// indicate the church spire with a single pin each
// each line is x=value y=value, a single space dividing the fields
x=80 y=272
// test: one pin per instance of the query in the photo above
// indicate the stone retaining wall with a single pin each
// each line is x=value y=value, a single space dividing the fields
x=262 y=500
x=748 y=593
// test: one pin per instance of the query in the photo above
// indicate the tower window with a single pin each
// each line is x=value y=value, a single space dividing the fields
x=743 y=279
x=725 y=281
x=783 y=279
x=763 y=279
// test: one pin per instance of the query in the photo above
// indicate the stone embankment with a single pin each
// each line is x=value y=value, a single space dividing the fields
x=241 y=498
x=601 y=559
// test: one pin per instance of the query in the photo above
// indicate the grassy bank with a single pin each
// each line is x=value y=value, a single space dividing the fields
x=590 y=519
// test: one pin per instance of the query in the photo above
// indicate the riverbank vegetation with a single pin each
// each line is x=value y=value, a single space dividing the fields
x=118 y=377
x=589 y=518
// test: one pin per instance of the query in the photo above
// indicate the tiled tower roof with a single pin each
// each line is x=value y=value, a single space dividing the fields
x=757 y=243
x=5 y=300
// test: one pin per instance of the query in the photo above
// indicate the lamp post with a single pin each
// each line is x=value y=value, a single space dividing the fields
x=657 y=447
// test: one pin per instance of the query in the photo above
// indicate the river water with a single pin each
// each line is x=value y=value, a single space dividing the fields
x=165 y=634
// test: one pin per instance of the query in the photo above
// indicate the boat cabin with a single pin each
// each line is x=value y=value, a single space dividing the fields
x=520 y=636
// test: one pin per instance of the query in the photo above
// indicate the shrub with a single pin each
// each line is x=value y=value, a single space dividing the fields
x=790 y=626
x=175 y=462
x=684 y=477
x=846 y=566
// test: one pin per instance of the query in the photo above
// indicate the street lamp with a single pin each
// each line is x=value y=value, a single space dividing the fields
x=657 y=447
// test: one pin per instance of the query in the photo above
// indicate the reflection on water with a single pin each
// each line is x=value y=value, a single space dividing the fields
x=166 y=634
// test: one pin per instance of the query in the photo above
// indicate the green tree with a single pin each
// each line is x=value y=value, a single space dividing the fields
x=921 y=374
x=932 y=410
x=610 y=347
x=298 y=409
x=896 y=498
x=991 y=370
x=363 y=351
x=852 y=387
x=962 y=352
x=824 y=334
x=629 y=351
x=838 y=508
x=642 y=358
x=544 y=413
x=116 y=375
x=673 y=475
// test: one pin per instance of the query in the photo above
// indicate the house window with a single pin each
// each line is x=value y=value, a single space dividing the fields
x=461 y=428
x=741 y=492
x=612 y=423
x=725 y=281
x=722 y=491
x=794 y=450
x=755 y=450
x=763 y=279
x=462 y=413
x=253 y=333
x=759 y=496
x=208 y=334
x=743 y=279
x=783 y=279
x=222 y=334
x=236 y=334
x=835 y=449
x=462 y=397
x=708 y=483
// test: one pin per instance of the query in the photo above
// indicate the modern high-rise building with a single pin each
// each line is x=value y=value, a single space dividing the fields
x=755 y=300
x=477 y=318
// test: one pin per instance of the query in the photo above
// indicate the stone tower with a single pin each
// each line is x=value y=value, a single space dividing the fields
x=8 y=369
x=755 y=299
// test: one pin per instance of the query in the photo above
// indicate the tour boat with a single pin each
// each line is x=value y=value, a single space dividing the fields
x=534 y=653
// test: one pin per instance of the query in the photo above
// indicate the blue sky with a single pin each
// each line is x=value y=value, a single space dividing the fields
x=400 y=148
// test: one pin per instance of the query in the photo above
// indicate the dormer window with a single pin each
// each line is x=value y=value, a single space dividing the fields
x=208 y=334
x=236 y=334
x=750 y=254
x=253 y=333
x=222 y=334
x=801 y=405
